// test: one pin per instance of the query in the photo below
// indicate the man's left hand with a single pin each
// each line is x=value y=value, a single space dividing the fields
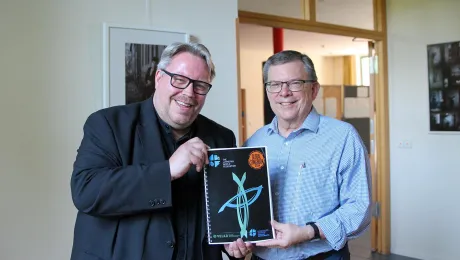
x=238 y=248
x=287 y=235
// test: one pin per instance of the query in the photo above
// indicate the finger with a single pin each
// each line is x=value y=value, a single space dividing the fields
x=206 y=156
x=232 y=248
x=276 y=225
x=194 y=140
x=249 y=246
x=198 y=153
x=227 y=248
x=198 y=143
x=242 y=247
x=199 y=146
x=237 y=253
x=199 y=149
x=198 y=162
x=270 y=243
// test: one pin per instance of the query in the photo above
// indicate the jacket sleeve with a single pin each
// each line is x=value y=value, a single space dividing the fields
x=101 y=186
x=234 y=144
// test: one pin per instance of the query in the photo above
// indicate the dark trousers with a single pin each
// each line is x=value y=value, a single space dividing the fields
x=342 y=254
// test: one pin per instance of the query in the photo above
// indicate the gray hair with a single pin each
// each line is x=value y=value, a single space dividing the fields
x=289 y=56
x=196 y=49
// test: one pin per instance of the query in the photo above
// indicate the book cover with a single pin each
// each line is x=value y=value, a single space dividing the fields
x=238 y=195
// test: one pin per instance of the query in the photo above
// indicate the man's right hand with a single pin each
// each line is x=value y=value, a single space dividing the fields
x=192 y=152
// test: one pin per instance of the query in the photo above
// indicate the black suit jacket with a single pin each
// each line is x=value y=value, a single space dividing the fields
x=121 y=183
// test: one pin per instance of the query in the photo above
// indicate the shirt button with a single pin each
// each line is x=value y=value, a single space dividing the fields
x=286 y=143
x=282 y=167
x=277 y=193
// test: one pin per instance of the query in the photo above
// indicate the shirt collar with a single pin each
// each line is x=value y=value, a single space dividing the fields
x=310 y=123
x=168 y=130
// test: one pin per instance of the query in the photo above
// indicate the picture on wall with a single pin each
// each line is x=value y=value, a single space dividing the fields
x=444 y=86
x=130 y=60
x=141 y=61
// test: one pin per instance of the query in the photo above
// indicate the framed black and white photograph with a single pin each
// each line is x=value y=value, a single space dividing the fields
x=131 y=56
x=444 y=87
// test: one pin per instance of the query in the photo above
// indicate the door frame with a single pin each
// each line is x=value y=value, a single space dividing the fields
x=380 y=225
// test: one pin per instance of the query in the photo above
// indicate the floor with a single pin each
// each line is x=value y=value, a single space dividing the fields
x=360 y=249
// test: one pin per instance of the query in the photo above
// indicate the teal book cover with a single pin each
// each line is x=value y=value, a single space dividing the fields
x=238 y=195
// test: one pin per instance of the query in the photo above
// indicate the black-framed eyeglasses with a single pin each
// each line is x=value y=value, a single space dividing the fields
x=182 y=82
x=293 y=85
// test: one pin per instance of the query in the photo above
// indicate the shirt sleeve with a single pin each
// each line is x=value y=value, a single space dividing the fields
x=353 y=216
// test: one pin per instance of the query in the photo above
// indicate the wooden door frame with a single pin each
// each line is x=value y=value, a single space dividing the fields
x=380 y=225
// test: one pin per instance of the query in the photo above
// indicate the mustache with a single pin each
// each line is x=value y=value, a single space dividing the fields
x=186 y=100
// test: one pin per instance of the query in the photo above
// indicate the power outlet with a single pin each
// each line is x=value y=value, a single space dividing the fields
x=405 y=144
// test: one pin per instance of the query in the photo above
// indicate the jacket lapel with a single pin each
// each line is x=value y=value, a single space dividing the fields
x=150 y=138
x=149 y=134
x=204 y=134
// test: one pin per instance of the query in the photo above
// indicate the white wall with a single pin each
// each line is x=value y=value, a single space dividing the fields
x=425 y=212
x=256 y=45
x=331 y=68
x=51 y=80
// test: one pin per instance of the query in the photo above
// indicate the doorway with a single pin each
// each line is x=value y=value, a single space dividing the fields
x=338 y=65
x=378 y=126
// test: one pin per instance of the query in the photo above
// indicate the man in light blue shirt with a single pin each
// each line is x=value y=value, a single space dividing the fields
x=319 y=168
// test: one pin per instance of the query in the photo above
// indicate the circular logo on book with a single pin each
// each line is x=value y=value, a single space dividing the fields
x=256 y=160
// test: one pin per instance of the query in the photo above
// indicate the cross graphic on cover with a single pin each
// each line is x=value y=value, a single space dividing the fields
x=242 y=203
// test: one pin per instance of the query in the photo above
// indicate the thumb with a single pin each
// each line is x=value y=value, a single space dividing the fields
x=276 y=224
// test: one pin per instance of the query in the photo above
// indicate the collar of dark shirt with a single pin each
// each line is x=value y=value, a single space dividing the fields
x=310 y=123
x=168 y=129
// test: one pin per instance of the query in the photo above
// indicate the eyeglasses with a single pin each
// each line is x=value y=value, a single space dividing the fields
x=293 y=85
x=182 y=82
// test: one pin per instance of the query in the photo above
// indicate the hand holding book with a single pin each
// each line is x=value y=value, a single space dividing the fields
x=288 y=235
x=239 y=248
x=192 y=152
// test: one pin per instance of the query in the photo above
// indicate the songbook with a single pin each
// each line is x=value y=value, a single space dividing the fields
x=238 y=195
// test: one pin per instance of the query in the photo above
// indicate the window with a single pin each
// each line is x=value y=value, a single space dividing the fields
x=365 y=73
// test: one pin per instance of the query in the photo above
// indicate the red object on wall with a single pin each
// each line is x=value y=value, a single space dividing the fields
x=278 y=39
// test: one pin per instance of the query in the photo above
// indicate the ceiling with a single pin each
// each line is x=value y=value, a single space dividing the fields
x=307 y=42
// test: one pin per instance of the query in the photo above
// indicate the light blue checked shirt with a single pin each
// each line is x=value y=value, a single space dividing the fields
x=319 y=173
